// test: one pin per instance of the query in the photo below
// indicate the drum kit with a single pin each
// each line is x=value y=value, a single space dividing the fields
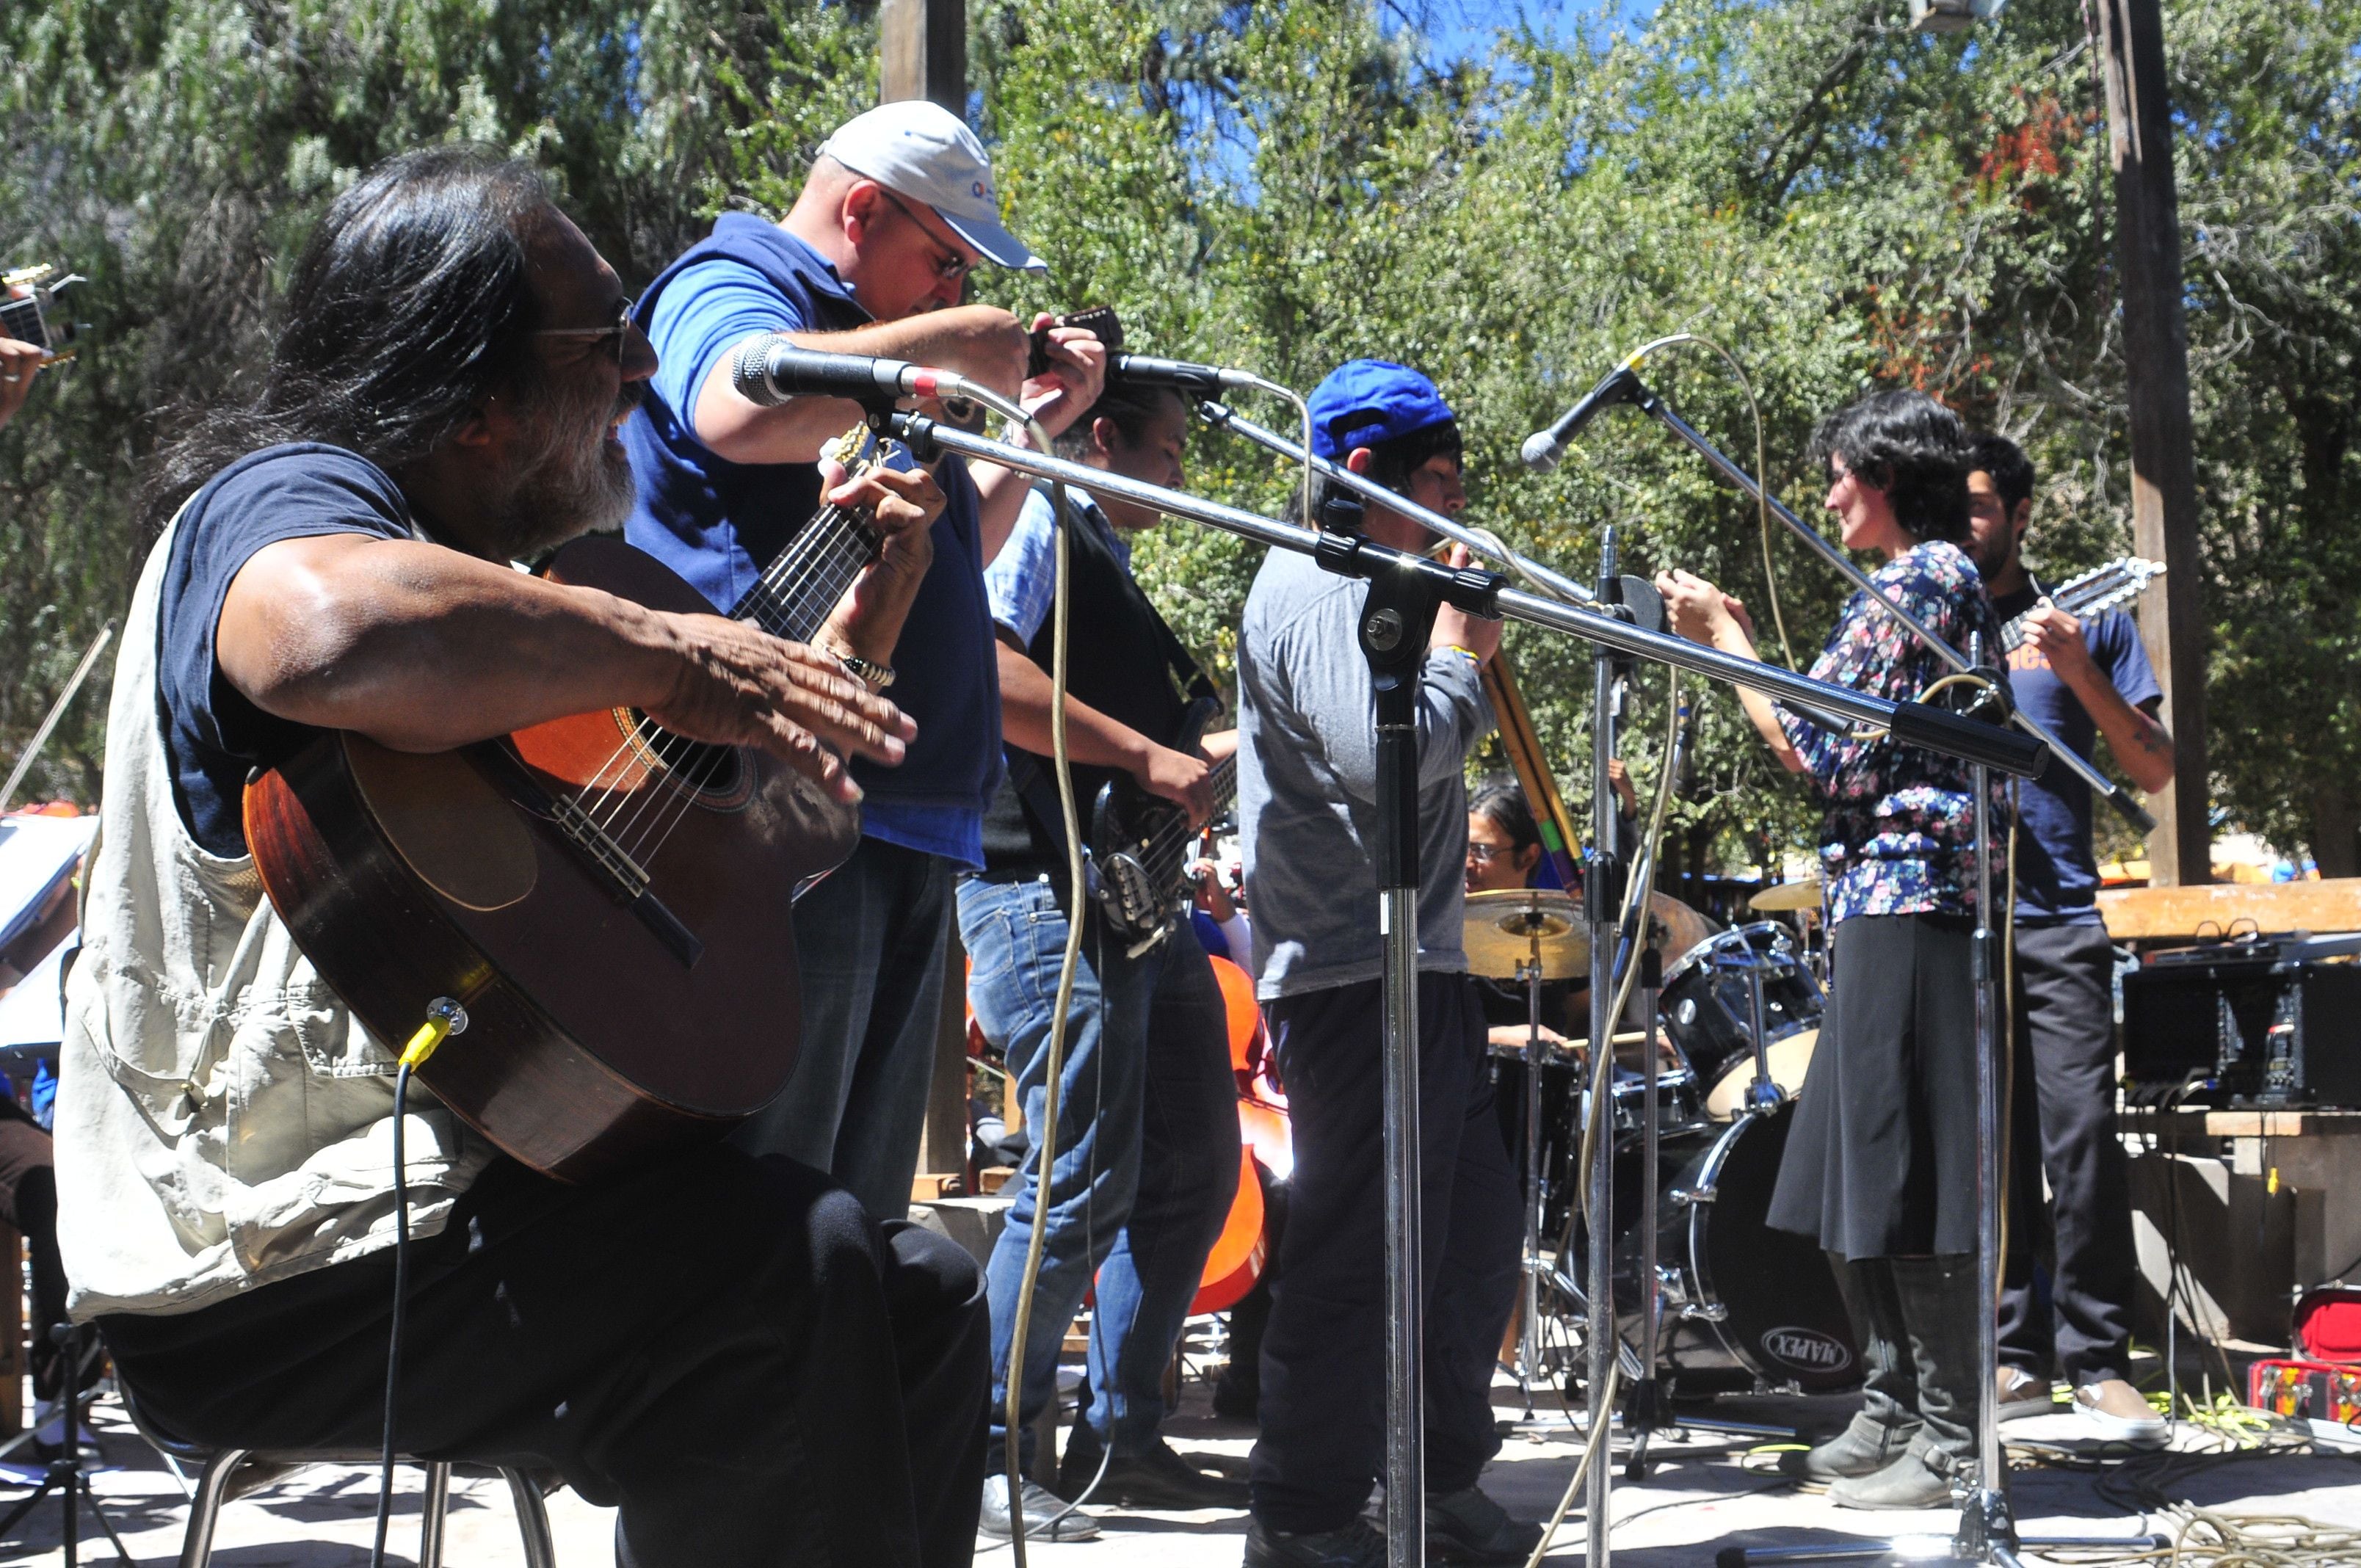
x=1738 y=1305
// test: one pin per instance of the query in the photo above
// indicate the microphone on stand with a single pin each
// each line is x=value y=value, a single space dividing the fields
x=770 y=370
x=1542 y=448
x=1196 y=380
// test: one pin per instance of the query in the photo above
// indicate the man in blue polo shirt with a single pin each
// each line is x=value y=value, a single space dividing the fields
x=2082 y=678
x=873 y=258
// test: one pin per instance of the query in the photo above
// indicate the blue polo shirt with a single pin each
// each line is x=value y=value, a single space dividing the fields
x=2056 y=878
x=719 y=523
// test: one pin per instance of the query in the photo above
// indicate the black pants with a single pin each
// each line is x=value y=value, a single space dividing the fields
x=727 y=1347
x=28 y=1201
x=2064 y=1123
x=1323 y=1378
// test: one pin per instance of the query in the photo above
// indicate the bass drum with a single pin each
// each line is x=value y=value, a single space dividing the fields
x=1743 y=1304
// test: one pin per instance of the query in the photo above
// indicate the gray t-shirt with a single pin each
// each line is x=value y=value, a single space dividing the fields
x=1308 y=791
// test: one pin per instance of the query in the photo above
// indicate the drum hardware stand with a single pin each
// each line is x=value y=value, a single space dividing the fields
x=65 y=1474
x=1602 y=897
x=1529 y=1364
x=1646 y=1414
x=1404 y=589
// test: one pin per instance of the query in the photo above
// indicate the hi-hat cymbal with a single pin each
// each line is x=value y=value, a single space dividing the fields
x=1785 y=896
x=1513 y=926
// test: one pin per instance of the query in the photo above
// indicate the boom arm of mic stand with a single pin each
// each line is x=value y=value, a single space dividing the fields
x=1483 y=593
x=1650 y=402
x=1221 y=416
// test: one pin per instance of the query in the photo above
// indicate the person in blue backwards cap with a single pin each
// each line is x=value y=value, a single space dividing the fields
x=1307 y=800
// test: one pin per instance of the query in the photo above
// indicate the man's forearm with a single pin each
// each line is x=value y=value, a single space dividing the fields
x=425 y=649
x=1091 y=738
x=794 y=432
x=2142 y=745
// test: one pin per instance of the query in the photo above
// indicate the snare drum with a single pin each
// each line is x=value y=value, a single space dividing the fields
x=1707 y=1006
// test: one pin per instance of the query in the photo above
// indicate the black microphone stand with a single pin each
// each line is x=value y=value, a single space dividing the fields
x=65 y=1474
x=1404 y=590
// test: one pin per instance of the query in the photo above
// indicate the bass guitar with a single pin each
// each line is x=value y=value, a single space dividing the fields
x=2101 y=588
x=611 y=902
x=1140 y=845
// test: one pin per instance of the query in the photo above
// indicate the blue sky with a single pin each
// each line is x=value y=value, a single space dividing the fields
x=1465 y=27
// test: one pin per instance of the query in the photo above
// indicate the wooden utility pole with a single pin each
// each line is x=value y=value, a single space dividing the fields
x=2164 y=476
x=923 y=49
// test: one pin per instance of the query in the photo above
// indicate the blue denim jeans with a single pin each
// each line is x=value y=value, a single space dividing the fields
x=869 y=944
x=1146 y=1158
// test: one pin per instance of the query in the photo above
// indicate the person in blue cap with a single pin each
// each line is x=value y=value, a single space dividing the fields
x=1308 y=811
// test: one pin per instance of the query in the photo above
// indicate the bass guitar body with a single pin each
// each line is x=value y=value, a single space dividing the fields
x=611 y=903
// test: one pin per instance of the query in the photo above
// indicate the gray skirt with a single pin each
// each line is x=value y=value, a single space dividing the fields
x=1881 y=1162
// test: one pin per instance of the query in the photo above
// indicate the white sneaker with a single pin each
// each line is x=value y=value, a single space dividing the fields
x=2117 y=1412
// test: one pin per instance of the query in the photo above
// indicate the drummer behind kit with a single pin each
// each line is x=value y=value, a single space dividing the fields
x=1745 y=1306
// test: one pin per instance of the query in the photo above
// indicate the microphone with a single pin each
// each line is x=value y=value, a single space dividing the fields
x=769 y=370
x=1542 y=448
x=1197 y=381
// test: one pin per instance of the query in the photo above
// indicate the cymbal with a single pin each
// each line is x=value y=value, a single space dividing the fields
x=1512 y=926
x=1785 y=896
x=1501 y=925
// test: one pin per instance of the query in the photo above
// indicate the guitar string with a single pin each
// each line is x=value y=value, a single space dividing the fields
x=788 y=617
x=1168 y=847
x=826 y=531
x=669 y=796
x=799 y=598
x=605 y=812
x=649 y=736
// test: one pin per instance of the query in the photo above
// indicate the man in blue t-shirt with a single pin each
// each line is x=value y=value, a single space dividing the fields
x=2082 y=679
x=873 y=258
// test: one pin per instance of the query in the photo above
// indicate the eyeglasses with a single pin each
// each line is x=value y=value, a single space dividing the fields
x=620 y=332
x=1485 y=854
x=951 y=268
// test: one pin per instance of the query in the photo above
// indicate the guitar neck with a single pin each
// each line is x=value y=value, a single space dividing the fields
x=798 y=589
x=21 y=319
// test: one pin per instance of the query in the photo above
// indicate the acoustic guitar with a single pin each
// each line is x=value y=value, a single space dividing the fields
x=611 y=902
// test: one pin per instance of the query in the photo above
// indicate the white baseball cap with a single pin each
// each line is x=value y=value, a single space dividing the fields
x=922 y=150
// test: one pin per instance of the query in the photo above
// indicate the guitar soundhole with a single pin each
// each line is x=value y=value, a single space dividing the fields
x=716 y=774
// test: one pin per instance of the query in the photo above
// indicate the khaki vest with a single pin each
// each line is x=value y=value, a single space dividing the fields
x=221 y=1121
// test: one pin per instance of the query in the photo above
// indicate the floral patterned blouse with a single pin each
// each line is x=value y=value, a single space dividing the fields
x=1898 y=837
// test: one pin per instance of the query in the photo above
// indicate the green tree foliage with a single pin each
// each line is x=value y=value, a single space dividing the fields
x=1840 y=203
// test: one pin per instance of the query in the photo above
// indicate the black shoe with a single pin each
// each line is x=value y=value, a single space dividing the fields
x=1469 y=1527
x=1160 y=1478
x=1355 y=1546
x=1047 y=1517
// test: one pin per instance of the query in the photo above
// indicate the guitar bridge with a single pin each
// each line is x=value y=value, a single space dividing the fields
x=631 y=878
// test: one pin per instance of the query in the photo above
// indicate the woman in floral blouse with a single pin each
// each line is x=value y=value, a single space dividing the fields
x=1881 y=1163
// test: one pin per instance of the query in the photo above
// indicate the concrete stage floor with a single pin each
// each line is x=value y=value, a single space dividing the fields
x=1703 y=1497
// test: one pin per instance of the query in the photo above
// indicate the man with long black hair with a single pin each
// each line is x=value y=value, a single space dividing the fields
x=726 y=1347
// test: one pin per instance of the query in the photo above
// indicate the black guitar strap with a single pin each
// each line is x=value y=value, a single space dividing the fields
x=1036 y=787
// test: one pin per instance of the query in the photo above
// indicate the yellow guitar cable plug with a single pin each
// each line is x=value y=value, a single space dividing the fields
x=444 y=1018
